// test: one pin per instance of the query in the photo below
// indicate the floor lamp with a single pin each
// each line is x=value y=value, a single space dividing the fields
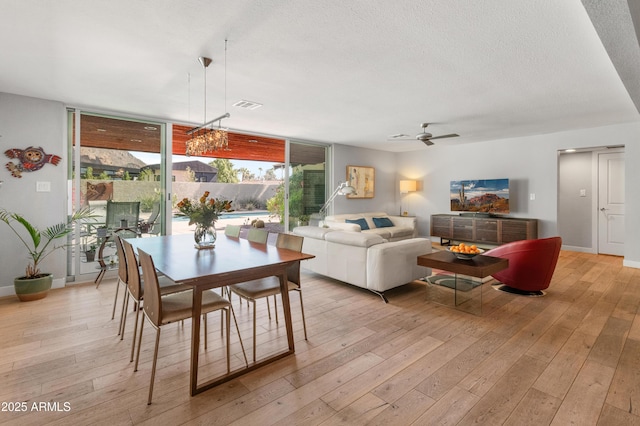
x=343 y=189
x=406 y=186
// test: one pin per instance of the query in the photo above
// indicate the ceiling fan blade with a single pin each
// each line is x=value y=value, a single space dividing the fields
x=399 y=137
x=427 y=142
x=451 y=135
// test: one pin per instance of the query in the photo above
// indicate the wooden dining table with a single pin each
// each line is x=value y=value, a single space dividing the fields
x=233 y=260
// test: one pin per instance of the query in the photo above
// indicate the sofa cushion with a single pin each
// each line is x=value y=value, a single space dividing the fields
x=358 y=239
x=312 y=231
x=400 y=232
x=382 y=222
x=383 y=232
x=362 y=222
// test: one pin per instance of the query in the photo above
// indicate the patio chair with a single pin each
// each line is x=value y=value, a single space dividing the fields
x=152 y=224
x=122 y=214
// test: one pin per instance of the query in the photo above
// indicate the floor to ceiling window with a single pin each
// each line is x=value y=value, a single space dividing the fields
x=132 y=173
x=307 y=181
x=117 y=172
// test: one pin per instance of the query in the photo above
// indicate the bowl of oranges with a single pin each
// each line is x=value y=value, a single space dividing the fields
x=465 y=252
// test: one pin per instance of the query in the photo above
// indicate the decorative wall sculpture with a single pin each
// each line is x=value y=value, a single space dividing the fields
x=31 y=160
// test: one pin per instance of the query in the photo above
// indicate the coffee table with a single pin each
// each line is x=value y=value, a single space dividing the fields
x=465 y=288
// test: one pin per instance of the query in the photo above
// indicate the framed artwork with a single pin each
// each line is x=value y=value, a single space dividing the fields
x=363 y=180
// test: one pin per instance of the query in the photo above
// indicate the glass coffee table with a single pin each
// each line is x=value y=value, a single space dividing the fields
x=463 y=289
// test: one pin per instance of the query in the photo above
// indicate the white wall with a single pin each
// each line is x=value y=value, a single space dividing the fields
x=28 y=122
x=386 y=181
x=531 y=164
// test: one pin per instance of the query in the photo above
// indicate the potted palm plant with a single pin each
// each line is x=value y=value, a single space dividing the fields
x=34 y=284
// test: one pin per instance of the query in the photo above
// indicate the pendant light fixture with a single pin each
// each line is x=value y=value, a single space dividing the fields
x=208 y=137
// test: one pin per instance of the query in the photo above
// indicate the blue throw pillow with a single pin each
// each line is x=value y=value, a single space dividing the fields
x=382 y=222
x=362 y=222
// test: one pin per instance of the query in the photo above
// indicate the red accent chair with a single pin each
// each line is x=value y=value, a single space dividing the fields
x=531 y=264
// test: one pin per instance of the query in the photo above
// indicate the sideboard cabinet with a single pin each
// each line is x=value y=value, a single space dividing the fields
x=489 y=230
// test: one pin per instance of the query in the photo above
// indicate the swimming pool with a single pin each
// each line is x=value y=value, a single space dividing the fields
x=232 y=215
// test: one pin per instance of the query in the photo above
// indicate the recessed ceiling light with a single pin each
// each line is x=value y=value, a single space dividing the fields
x=136 y=140
x=101 y=130
x=247 y=104
x=150 y=128
x=570 y=150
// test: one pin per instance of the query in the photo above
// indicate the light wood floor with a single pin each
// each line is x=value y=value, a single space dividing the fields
x=571 y=357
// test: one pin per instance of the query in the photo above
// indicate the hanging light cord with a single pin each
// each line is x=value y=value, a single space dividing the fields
x=225 y=75
x=205 y=93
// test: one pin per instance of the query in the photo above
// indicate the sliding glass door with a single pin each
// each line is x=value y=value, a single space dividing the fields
x=117 y=172
x=307 y=182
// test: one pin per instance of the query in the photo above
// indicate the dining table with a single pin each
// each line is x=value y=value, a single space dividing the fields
x=231 y=261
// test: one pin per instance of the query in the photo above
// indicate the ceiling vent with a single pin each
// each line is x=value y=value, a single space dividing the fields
x=247 y=104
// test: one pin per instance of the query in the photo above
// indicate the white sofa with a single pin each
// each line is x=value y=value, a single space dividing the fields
x=363 y=259
x=403 y=227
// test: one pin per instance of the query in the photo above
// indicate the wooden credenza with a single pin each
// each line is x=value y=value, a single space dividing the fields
x=489 y=230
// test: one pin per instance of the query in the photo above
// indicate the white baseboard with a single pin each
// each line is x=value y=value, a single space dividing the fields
x=10 y=291
x=631 y=264
x=7 y=291
x=579 y=249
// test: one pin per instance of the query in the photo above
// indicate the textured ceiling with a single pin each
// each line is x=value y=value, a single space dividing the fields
x=350 y=72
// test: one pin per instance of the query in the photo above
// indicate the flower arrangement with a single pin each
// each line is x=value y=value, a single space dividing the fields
x=204 y=211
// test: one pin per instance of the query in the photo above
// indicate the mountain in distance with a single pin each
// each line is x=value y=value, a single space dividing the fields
x=109 y=157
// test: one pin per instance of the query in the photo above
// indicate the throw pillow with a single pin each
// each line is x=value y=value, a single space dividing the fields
x=362 y=222
x=382 y=222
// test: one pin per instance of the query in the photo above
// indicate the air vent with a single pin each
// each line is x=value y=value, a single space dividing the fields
x=247 y=104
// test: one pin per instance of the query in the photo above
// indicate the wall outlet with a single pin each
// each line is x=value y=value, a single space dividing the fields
x=532 y=196
x=583 y=192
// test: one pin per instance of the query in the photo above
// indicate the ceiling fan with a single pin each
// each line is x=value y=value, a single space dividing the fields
x=425 y=136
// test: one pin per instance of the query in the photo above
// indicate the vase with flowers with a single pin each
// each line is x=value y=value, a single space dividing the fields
x=203 y=213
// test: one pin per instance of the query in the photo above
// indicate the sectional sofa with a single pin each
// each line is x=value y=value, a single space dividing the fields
x=363 y=259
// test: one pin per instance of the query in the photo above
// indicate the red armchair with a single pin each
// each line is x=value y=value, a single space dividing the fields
x=531 y=265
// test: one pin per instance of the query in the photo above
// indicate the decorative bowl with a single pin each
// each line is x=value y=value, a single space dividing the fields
x=466 y=256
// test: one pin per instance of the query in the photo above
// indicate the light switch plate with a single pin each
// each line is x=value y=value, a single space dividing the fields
x=43 y=186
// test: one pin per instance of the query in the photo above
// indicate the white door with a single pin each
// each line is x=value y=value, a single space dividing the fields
x=611 y=203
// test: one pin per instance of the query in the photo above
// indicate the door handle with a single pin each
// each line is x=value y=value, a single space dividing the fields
x=603 y=209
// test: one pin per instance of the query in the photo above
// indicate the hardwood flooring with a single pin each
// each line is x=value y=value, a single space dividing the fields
x=571 y=357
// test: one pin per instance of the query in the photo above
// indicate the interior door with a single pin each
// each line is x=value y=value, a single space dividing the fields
x=611 y=226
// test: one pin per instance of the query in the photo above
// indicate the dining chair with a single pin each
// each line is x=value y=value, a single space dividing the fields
x=122 y=275
x=232 y=231
x=270 y=286
x=161 y=310
x=135 y=289
x=257 y=235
